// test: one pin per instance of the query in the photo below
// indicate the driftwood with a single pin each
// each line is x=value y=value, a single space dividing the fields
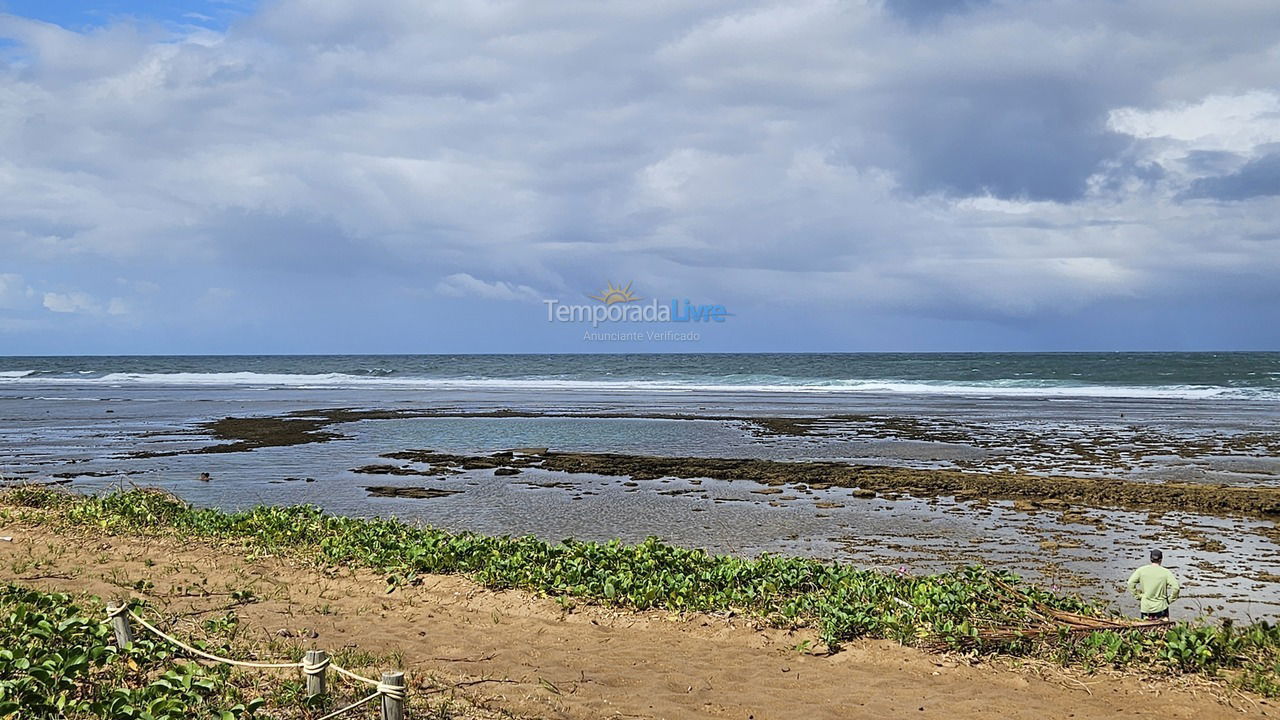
x=1050 y=621
x=1071 y=624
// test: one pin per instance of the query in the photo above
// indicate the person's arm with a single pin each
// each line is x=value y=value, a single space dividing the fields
x=1133 y=584
x=1174 y=587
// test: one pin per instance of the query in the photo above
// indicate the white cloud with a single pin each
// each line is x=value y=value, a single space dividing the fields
x=464 y=285
x=1232 y=123
x=73 y=302
x=14 y=291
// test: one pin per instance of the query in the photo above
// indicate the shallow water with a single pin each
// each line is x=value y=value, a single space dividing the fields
x=94 y=429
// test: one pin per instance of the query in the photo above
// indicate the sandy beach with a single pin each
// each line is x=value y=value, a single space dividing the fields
x=530 y=657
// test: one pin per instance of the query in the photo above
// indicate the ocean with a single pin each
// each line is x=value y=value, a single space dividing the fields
x=1242 y=375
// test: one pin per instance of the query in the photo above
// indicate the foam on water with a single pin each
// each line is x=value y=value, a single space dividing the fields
x=1228 y=377
x=732 y=384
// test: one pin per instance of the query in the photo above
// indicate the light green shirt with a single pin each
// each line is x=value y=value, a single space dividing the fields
x=1155 y=586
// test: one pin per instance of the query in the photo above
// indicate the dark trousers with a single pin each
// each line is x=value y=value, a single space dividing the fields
x=1162 y=615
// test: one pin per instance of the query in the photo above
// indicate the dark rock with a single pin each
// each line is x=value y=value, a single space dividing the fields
x=408 y=492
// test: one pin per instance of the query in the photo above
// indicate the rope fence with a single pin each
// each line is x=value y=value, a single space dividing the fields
x=314 y=663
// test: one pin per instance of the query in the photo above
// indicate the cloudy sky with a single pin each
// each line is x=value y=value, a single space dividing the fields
x=410 y=176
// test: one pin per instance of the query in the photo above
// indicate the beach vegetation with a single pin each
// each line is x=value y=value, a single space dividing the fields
x=973 y=610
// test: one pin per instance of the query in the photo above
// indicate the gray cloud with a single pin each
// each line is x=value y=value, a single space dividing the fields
x=984 y=160
x=1028 y=137
x=924 y=12
x=1259 y=177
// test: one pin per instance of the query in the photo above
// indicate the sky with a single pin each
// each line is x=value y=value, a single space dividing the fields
x=406 y=176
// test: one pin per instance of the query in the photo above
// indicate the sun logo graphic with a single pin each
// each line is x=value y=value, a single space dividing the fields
x=618 y=304
x=612 y=295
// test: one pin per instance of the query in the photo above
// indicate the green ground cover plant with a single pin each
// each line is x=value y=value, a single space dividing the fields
x=58 y=660
x=972 y=609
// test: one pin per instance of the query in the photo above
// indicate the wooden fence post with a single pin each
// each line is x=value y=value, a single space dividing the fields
x=393 y=707
x=314 y=665
x=119 y=615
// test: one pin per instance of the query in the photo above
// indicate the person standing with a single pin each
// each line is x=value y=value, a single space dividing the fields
x=1155 y=587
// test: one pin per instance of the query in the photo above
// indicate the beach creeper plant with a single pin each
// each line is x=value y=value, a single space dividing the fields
x=59 y=661
x=972 y=609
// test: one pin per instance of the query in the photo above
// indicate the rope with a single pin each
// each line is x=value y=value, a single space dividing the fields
x=209 y=656
x=359 y=678
x=352 y=706
x=315 y=668
x=395 y=692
